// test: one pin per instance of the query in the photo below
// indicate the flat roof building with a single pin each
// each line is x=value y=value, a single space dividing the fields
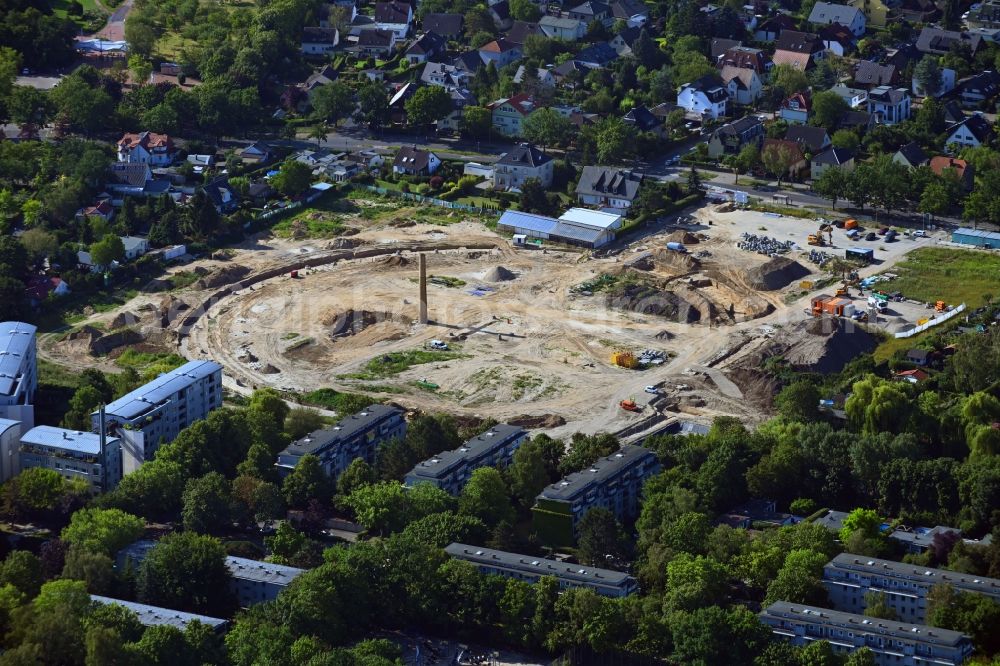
x=451 y=470
x=613 y=482
x=977 y=237
x=848 y=578
x=530 y=569
x=154 y=616
x=75 y=455
x=357 y=436
x=18 y=371
x=893 y=643
x=577 y=226
x=155 y=413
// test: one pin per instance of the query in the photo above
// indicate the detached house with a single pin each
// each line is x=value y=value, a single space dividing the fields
x=591 y=11
x=509 y=113
x=376 y=43
x=937 y=41
x=501 y=52
x=812 y=139
x=943 y=165
x=633 y=12
x=801 y=50
x=146 y=148
x=566 y=29
x=222 y=195
x=425 y=47
x=890 y=106
x=869 y=75
x=521 y=163
x=770 y=29
x=394 y=16
x=319 y=41
x=413 y=161
x=979 y=88
x=798 y=163
x=644 y=120
x=743 y=85
x=834 y=158
x=623 y=41
x=704 y=96
x=911 y=156
x=876 y=11
x=448 y=26
x=837 y=39
x=608 y=187
x=744 y=57
x=972 y=132
x=733 y=137
x=852 y=18
x=795 y=109
x=447 y=76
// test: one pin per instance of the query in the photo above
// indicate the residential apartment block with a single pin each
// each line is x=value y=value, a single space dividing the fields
x=155 y=413
x=18 y=371
x=154 y=616
x=848 y=578
x=84 y=456
x=893 y=643
x=10 y=438
x=357 y=436
x=255 y=582
x=613 y=483
x=451 y=470
x=531 y=569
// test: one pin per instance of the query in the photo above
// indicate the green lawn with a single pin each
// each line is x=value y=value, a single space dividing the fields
x=387 y=365
x=60 y=8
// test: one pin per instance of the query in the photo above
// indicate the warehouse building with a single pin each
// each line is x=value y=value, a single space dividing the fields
x=357 y=436
x=155 y=413
x=848 y=578
x=154 y=616
x=613 y=483
x=530 y=569
x=580 y=227
x=18 y=372
x=75 y=455
x=967 y=236
x=893 y=643
x=451 y=470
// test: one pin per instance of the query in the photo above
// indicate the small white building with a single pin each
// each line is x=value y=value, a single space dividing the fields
x=135 y=247
x=704 y=96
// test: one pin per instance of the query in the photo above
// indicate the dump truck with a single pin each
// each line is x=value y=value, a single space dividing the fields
x=629 y=405
x=851 y=224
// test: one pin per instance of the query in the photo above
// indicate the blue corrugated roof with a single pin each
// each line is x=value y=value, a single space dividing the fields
x=16 y=339
x=7 y=424
x=578 y=233
x=60 y=438
x=530 y=221
x=160 y=389
x=151 y=616
x=265 y=572
x=976 y=233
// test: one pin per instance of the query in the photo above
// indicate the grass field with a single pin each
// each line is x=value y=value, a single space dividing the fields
x=387 y=365
x=943 y=274
x=60 y=8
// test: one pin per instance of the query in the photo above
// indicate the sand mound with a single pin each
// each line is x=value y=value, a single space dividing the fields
x=542 y=421
x=343 y=244
x=664 y=335
x=681 y=236
x=223 y=276
x=776 y=273
x=352 y=322
x=826 y=344
x=394 y=260
x=269 y=370
x=499 y=274
x=124 y=319
x=646 y=299
x=676 y=261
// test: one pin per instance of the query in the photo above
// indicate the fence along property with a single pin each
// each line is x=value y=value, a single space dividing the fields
x=930 y=322
x=430 y=200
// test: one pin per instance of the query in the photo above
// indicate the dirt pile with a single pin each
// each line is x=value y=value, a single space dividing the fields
x=675 y=262
x=124 y=319
x=352 y=322
x=343 y=244
x=541 y=421
x=499 y=274
x=824 y=344
x=394 y=260
x=642 y=261
x=681 y=236
x=776 y=273
x=222 y=277
x=646 y=299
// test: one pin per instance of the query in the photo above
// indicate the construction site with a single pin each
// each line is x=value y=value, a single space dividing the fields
x=454 y=318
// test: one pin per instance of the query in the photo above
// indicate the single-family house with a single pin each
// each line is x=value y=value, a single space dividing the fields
x=623 y=41
x=39 y=287
x=704 y=96
x=832 y=158
x=318 y=41
x=744 y=57
x=855 y=97
x=870 y=75
x=500 y=13
x=414 y=161
x=460 y=98
x=425 y=47
x=394 y=16
x=134 y=246
x=942 y=165
x=919 y=357
x=608 y=187
x=446 y=76
x=812 y=139
x=918 y=11
x=771 y=28
x=911 y=156
x=971 y=132
x=860 y=121
x=976 y=90
x=133 y=179
x=376 y=43
x=521 y=30
x=521 y=163
x=914 y=376
x=633 y=12
x=544 y=76
x=469 y=62
x=222 y=195
x=743 y=85
x=255 y=153
x=398 y=100
x=876 y=11
x=643 y=120
x=720 y=45
x=102 y=209
x=795 y=108
x=600 y=54
x=500 y=52
x=837 y=39
x=797 y=160
x=800 y=50
x=325 y=13
x=947 y=84
x=566 y=29
x=150 y=148
x=938 y=41
x=827 y=13
x=953 y=112
x=591 y=11
x=509 y=113
x=890 y=106
x=571 y=73
x=733 y=137
x=448 y=26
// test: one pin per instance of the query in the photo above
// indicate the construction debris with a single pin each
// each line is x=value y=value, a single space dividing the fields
x=764 y=244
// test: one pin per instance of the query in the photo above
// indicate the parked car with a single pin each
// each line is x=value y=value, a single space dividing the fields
x=871 y=236
x=439 y=345
x=920 y=233
x=652 y=389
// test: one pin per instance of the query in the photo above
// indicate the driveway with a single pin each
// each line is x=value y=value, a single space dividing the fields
x=114 y=29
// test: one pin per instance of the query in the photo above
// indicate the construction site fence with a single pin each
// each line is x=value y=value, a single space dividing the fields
x=410 y=196
x=943 y=317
